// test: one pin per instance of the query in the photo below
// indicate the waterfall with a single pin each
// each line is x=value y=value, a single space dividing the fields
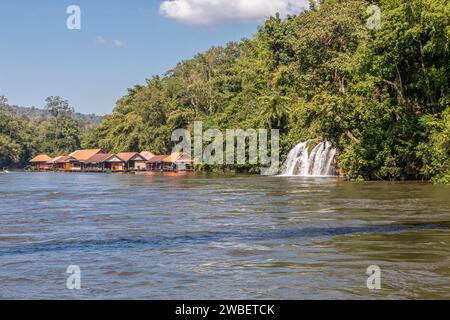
x=320 y=162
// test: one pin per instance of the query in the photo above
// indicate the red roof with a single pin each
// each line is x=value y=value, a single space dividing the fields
x=178 y=157
x=147 y=155
x=185 y=158
x=62 y=159
x=41 y=158
x=157 y=159
x=55 y=160
x=84 y=155
x=99 y=158
x=127 y=156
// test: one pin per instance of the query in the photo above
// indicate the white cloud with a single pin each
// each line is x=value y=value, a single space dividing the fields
x=100 y=40
x=119 y=43
x=210 y=12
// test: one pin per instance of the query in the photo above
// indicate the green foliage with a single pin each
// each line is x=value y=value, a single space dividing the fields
x=58 y=107
x=435 y=152
x=22 y=137
x=380 y=96
x=10 y=151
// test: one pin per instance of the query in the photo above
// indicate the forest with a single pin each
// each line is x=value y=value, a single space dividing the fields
x=380 y=95
x=55 y=130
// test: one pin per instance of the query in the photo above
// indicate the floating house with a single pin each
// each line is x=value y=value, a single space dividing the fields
x=104 y=162
x=95 y=160
x=178 y=161
x=114 y=163
x=156 y=163
x=133 y=161
x=62 y=163
x=147 y=155
x=40 y=162
x=82 y=156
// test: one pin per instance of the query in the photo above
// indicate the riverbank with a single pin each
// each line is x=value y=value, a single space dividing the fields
x=223 y=173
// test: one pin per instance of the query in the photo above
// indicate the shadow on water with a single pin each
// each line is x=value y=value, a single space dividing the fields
x=205 y=238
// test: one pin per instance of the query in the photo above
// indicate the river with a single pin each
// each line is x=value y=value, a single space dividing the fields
x=221 y=237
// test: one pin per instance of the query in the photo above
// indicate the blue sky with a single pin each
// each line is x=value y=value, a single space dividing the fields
x=120 y=44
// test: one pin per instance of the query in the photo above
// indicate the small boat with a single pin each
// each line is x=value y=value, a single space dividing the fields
x=5 y=171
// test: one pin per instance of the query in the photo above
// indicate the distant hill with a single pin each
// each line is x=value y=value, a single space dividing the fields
x=33 y=112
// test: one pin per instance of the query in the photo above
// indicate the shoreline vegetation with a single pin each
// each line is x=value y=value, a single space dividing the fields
x=380 y=96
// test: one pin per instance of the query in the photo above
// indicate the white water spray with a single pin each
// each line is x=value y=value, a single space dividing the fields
x=320 y=162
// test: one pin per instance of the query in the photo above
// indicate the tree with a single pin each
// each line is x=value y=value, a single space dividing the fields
x=10 y=151
x=3 y=101
x=58 y=107
x=381 y=96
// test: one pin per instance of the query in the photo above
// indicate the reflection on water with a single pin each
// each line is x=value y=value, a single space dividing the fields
x=190 y=236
